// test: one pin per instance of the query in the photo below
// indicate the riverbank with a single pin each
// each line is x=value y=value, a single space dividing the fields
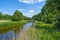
x=41 y=31
x=11 y=25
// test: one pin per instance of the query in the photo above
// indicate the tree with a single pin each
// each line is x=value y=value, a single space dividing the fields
x=17 y=16
x=7 y=17
x=1 y=16
x=49 y=12
x=36 y=17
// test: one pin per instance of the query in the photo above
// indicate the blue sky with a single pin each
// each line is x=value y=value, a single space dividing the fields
x=27 y=7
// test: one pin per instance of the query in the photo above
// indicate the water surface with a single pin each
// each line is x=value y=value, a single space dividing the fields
x=14 y=34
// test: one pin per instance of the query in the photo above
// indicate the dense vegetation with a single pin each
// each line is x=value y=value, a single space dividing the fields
x=50 y=12
x=12 y=22
x=5 y=17
x=11 y=25
x=42 y=33
x=47 y=26
x=17 y=16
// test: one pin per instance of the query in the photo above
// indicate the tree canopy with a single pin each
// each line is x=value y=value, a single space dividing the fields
x=1 y=16
x=50 y=12
x=17 y=16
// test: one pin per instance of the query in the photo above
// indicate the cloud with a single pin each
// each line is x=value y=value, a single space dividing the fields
x=41 y=0
x=28 y=14
x=31 y=11
x=30 y=1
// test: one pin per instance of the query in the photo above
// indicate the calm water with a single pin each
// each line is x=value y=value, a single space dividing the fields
x=14 y=34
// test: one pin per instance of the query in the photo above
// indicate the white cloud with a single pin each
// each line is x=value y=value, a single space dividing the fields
x=30 y=1
x=31 y=11
x=40 y=0
x=28 y=14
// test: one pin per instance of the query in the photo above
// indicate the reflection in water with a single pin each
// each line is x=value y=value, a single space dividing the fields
x=25 y=27
x=7 y=36
x=13 y=33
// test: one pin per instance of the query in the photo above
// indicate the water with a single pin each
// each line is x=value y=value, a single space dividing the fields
x=12 y=35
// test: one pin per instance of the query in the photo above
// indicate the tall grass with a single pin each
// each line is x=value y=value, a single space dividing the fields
x=41 y=31
x=13 y=25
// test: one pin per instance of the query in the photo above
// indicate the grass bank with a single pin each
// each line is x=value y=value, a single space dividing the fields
x=42 y=31
x=11 y=25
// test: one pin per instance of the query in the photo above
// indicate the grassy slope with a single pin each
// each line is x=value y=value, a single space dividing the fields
x=12 y=23
x=7 y=26
x=42 y=31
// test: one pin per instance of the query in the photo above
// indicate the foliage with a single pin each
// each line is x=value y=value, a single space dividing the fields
x=16 y=26
x=50 y=13
x=49 y=26
x=42 y=24
x=37 y=17
x=1 y=16
x=27 y=18
x=7 y=17
x=17 y=16
x=41 y=33
x=12 y=24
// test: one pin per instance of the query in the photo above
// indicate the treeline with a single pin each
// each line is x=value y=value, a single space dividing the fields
x=50 y=13
x=17 y=16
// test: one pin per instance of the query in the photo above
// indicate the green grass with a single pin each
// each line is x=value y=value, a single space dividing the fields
x=13 y=25
x=41 y=31
x=42 y=24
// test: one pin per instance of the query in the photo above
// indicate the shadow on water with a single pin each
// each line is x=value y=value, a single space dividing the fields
x=10 y=33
